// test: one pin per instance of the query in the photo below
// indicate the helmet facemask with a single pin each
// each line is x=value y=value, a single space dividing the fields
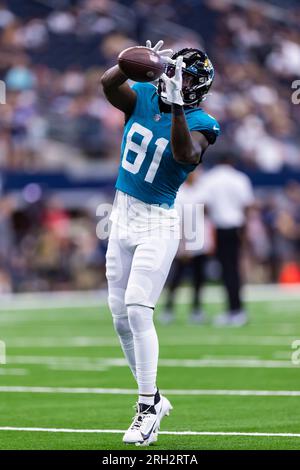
x=197 y=77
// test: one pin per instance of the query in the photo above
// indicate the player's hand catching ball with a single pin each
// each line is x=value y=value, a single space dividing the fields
x=165 y=54
x=174 y=84
x=144 y=63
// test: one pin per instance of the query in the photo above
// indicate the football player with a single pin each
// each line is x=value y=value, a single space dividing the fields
x=165 y=136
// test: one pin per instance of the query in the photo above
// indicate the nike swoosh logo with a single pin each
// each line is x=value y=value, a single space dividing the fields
x=216 y=128
x=146 y=436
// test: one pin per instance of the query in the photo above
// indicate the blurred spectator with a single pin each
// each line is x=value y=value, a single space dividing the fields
x=20 y=77
x=256 y=58
x=6 y=16
x=46 y=247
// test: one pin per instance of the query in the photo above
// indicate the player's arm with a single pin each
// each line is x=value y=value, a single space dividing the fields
x=115 y=88
x=117 y=91
x=187 y=147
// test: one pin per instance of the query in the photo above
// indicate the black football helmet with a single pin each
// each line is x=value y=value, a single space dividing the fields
x=197 y=75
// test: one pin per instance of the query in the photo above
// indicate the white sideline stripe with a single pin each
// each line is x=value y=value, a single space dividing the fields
x=170 y=433
x=129 y=391
x=121 y=362
x=79 y=299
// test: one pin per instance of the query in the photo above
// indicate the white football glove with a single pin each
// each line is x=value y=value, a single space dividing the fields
x=164 y=54
x=174 y=84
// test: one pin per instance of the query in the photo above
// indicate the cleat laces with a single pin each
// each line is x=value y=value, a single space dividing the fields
x=139 y=417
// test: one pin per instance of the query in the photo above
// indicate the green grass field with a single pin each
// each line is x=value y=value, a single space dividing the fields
x=64 y=366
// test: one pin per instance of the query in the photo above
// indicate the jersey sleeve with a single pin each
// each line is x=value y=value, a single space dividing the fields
x=200 y=121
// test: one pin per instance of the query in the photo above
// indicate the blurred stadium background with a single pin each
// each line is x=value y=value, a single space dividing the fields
x=59 y=154
x=59 y=138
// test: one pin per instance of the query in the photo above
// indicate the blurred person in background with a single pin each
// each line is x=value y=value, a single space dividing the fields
x=192 y=252
x=228 y=195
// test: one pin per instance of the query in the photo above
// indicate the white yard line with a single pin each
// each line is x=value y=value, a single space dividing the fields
x=244 y=363
x=80 y=299
x=61 y=342
x=78 y=367
x=121 y=362
x=201 y=340
x=98 y=368
x=5 y=371
x=170 y=433
x=128 y=391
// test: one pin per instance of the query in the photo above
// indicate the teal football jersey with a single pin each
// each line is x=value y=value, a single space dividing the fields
x=148 y=170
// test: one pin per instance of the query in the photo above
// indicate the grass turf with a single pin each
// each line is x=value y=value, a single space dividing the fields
x=76 y=347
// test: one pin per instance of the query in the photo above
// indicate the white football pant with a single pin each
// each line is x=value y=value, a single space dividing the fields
x=142 y=245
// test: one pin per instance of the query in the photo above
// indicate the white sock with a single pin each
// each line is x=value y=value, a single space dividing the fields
x=123 y=329
x=145 y=349
x=127 y=344
x=147 y=399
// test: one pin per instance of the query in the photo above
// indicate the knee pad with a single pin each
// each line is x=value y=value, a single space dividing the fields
x=119 y=312
x=140 y=319
x=138 y=291
x=122 y=326
x=116 y=304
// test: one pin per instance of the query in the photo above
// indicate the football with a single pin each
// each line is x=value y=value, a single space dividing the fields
x=141 y=64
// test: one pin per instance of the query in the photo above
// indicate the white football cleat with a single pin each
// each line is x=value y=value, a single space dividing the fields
x=144 y=428
x=163 y=408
